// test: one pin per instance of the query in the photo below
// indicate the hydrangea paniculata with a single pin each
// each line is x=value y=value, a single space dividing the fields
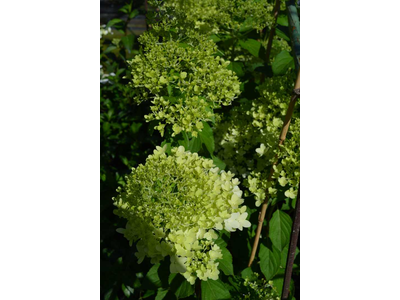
x=247 y=141
x=182 y=78
x=175 y=204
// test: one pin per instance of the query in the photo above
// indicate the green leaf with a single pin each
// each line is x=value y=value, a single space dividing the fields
x=148 y=294
x=270 y=260
x=135 y=127
x=128 y=41
x=152 y=280
x=219 y=163
x=133 y=13
x=281 y=34
x=157 y=276
x=110 y=49
x=113 y=22
x=127 y=290
x=248 y=274
x=214 y=290
x=225 y=263
x=280 y=227
x=215 y=38
x=181 y=287
x=283 y=20
x=161 y=293
x=194 y=144
x=282 y=62
x=207 y=137
x=236 y=67
x=252 y=46
x=284 y=255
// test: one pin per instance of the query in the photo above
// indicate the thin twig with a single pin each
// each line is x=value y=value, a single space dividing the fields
x=272 y=31
x=282 y=138
x=198 y=289
x=292 y=249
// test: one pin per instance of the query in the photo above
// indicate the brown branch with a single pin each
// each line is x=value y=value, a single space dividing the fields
x=272 y=31
x=292 y=249
x=282 y=137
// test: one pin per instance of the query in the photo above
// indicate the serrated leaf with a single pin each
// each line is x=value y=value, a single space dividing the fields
x=282 y=62
x=214 y=290
x=270 y=260
x=207 y=137
x=280 y=228
x=225 y=263
x=252 y=46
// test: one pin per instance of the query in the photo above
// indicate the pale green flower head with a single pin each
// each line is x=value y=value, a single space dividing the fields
x=175 y=204
x=247 y=141
x=220 y=16
x=182 y=78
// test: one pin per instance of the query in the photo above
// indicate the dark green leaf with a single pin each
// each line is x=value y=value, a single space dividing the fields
x=152 y=280
x=110 y=49
x=128 y=41
x=149 y=293
x=225 y=263
x=282 y=62
x=214 y=290
x=281 y=34
x=207 y=137
x=236 y=67
x=270 y=260
x=252 y=46
x=157 y=276
x=280 y=227
x=194 y=144
x=181 y=287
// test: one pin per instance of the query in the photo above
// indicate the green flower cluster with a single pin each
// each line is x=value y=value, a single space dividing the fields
x=220 y=16
x=182 y=78
x=247 y=141
x=260 y=289
x=174 y=204
x=286 y=174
